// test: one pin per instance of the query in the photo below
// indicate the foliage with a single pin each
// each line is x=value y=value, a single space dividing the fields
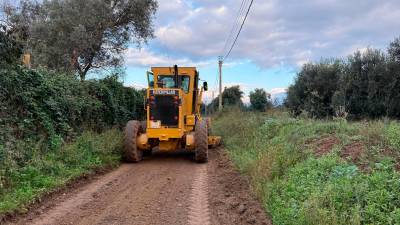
x=231 y=96
x=20 y=186
x=260 y=100
x=314 y=88
x=330 y=191
x=394 y=50
x=10 y=49
x=41 y=110
x=363 y=86
x=393 y=135
x=78 y=36
x=297 y=187
x=366 y=80
x=38 y=102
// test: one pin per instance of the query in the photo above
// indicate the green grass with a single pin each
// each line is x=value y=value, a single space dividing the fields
x=44 y=172
x=298 y=187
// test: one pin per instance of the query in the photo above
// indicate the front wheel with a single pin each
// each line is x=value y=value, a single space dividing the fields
x=131 y=152
x=201 y=141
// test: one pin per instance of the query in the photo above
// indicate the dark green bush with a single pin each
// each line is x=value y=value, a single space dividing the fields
x=40 y=110
x=297 y=185
x=365 y=85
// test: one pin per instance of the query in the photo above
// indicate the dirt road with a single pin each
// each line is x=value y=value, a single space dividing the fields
x=162 y=189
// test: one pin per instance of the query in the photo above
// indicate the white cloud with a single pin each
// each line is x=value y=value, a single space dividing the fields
x=290 y=32
x=146 y=58
x=276 y=91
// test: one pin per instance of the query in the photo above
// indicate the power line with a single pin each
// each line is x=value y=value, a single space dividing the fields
x=241 y=27
x=220 y=58
x=235 y=24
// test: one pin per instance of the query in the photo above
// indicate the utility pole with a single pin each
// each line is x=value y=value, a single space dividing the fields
x=220 y=83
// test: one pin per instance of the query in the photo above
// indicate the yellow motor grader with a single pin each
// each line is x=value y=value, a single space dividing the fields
x=173 y=102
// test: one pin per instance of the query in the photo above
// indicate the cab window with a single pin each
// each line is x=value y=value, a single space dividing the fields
x=185 y=81
x=150 y=79
x=166 y=81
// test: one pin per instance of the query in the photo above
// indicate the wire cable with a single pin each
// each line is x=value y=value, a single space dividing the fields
x=237 y=36
x=235 y=24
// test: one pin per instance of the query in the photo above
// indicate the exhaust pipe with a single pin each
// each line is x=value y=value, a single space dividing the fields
x=176 y=76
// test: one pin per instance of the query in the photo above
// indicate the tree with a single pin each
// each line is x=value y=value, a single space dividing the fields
x=313 y=89
x=10 y=50
x=394 y=50
x=231 y=96
x=79 y=36
x=393 y=98
x=259 y=99
x=365 y=86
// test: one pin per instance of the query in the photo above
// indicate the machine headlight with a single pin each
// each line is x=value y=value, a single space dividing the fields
x=155 y=123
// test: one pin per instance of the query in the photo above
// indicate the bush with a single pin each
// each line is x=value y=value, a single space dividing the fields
x=22 y=185
x=393 y=135
x=51 y=105
x=231 y=97
x=10 y=49
x=331 y=191
x=365 y=85
x=298 y=186
x=41 y=113
x=260 y=100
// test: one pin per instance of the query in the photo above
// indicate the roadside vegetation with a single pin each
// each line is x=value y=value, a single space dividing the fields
x=56 y=124
x=43 y=172
x=55 y=128
x=309 y=171
x=365 y=85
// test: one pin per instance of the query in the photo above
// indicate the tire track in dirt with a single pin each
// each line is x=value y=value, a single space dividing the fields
x=81 y=198
x=166 y=188
x=199 y=208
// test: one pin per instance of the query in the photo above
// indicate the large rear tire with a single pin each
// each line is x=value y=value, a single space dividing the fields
x=131 y=152
x=201 y=141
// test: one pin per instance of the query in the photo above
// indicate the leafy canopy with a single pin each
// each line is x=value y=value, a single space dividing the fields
x=78 y=36
x=260 y=100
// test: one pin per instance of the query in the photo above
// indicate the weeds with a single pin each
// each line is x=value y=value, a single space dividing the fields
x=393 y=135
x=298 y=186
x=42 y=173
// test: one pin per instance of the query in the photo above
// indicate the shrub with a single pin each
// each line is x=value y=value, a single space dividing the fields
x=393 y=135
x=22 y=185
x=296 y=186
x=59 y=106
x=41 y=113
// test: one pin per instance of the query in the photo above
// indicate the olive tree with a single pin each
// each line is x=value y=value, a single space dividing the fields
x=79 y=36
x=10 y=50
x=260 y=100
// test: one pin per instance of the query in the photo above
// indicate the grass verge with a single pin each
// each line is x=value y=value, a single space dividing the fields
x=44 y=172
x=314 y=171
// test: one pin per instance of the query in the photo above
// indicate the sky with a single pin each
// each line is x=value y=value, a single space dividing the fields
x=277 y=38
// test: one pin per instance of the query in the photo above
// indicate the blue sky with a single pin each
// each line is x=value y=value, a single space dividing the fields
x=278 y=37
x=246 y=74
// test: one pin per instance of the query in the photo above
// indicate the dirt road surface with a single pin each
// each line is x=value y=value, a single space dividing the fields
x=162 y=189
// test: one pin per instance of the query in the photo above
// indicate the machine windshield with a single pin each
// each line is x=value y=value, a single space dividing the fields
x=168 y=81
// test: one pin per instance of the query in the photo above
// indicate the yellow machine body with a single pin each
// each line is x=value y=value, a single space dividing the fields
x=173 y=102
